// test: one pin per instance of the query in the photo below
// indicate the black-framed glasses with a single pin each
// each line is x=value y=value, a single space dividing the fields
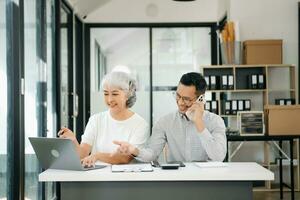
x=186 y=100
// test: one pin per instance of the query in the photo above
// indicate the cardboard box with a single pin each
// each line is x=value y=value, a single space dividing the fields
x=282 y=120
x=262 y=52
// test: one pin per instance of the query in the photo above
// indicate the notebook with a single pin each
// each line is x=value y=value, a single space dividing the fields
x=143 y=167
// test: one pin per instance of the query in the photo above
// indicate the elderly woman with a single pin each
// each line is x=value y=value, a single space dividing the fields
x=117 y=123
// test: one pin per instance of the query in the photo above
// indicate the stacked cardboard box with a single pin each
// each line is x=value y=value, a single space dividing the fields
x=283 y=120
x=262 y=52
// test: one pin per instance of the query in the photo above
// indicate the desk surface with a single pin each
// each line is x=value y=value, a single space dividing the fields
x=235 y=171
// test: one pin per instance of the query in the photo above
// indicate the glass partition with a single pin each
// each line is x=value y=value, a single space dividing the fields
x=33 y=70
x=64 y=66
x=51 y=84
x=123 y=49
x=176 y=51
x=3 y=104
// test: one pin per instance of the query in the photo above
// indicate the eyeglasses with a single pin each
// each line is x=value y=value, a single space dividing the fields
x=186 y=100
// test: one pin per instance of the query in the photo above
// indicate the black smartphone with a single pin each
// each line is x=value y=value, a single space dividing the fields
x=170 y=166
x=181 y=164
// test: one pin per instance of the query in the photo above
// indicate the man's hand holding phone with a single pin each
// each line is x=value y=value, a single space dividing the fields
x=197 y=109
x=195 y=113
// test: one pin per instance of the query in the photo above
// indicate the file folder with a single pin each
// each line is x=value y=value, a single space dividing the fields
x=214 y=107
x=240 y=105
x=233 y=107
x=213 y=82
x=207 y=82
x=207 y=105
x=230 y=82
x=224 y=82
x=247 y=104
x=227 y=107
x=281 y=102
x=289 y=101
x=253 y=81
x=261 y=81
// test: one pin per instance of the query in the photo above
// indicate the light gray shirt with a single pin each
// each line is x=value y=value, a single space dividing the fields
x=184 y=141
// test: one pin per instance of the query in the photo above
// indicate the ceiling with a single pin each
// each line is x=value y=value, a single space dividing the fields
x=131 y=11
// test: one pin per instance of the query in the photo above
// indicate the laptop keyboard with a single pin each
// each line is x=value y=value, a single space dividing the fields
x=93 y=167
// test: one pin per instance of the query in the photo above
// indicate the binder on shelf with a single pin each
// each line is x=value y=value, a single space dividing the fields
x=247 y=104
x=214 y=107
x=227 y=107
x=280 y=102
x=253 y=81
x=230 y=82
x=240 y=105
x=289 y=101
x=234 y=107
x=207 y=82
x=213 y=82
x=261 y=81
x=224 y=82
x=207 y=105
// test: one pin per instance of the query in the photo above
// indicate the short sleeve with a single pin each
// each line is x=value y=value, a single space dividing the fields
x=140 y=135
x=90 y=131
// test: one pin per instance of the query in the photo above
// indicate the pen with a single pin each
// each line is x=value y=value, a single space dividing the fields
x=61 y=132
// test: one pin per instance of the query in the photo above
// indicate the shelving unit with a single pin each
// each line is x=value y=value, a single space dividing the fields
x=274 y=74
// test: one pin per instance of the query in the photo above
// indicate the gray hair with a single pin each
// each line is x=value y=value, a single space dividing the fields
x=124 y=82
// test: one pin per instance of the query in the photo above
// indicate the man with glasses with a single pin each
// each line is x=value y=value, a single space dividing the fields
x=197 y=138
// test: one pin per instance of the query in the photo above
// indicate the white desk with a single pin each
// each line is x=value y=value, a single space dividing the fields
x=190 y=182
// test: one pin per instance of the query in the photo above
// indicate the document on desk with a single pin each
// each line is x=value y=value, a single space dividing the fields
x=143 y=167
x=211 y=164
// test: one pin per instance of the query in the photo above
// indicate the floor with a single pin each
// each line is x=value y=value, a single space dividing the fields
x=259 y=195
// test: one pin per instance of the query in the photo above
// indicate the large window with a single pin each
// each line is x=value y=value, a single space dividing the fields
x=125 y=49
x=3 y=104
x=25 y=56
x=156 y=56
x=34 y=74
x=51 y=83
x=66 y=67
x=176 y=51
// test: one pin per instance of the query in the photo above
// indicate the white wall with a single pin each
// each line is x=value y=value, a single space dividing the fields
x=223 y=8
x=267 y=19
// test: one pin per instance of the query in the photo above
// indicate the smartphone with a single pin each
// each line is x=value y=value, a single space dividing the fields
x=170 y=166
x=199 y=99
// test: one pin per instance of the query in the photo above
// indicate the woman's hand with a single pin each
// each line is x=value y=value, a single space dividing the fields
x=126 y=148
x=67 y=133
x=89 y=161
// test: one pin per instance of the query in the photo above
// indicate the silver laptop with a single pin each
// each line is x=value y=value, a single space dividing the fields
x=58 y=153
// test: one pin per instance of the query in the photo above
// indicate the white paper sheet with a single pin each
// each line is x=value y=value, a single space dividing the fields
x=211 y=164
x=132 y=168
